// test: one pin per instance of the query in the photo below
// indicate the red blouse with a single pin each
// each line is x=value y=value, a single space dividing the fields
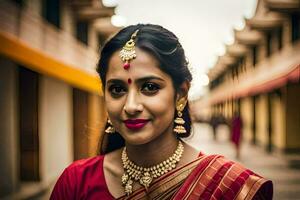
x=213 y=176
x=83 y=179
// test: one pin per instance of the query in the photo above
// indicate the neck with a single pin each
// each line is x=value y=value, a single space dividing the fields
x=154 y=152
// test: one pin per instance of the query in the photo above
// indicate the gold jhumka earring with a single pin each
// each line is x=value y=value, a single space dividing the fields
x=179 y=121
x=110 y=129
x=128 y=51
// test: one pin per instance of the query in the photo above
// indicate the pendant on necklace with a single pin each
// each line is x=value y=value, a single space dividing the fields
x=146 y=180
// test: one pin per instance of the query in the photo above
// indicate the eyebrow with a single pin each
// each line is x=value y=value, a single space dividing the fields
x=114 y=80
x=147 y=78
x=143 y=79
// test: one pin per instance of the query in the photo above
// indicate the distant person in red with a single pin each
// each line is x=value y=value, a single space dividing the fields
x=236 y=132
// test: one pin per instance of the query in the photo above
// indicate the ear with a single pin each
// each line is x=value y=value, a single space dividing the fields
x=182 y=93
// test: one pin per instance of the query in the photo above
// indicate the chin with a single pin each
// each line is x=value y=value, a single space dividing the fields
x=138 y=138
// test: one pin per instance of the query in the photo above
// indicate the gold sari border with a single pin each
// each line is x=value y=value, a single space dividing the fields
x=256 y=186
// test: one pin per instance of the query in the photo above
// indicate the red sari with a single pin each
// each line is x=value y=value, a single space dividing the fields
x=218 y=178
x=207 y=177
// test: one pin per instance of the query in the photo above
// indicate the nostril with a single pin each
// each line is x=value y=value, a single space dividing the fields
x=133 y=109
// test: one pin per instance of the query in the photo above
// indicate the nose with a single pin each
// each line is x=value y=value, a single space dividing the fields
x=133 y=105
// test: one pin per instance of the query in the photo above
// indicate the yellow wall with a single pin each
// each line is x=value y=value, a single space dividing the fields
x=247 y=116
x=262 y=119
x=278 y=122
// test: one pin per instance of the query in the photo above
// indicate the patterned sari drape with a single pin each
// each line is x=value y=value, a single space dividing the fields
x=207 y=177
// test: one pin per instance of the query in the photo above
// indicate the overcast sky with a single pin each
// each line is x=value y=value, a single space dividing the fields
x=203 y=27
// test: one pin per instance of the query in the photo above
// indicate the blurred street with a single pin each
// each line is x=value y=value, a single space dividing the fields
x=283 y=170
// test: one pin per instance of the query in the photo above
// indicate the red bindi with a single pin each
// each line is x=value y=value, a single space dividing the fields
x=129 y=81
x=126 y=65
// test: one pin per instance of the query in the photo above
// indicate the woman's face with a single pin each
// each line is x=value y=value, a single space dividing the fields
x=140 y=100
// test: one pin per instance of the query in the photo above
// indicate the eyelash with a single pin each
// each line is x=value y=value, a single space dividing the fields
x=112 y=89
x=145 y=88
x=148 y=88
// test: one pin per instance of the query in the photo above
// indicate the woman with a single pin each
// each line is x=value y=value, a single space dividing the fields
x=236 y=133
x=145 y=79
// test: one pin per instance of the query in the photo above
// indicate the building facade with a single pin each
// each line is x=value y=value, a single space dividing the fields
x=258 y=77
x=51 y=102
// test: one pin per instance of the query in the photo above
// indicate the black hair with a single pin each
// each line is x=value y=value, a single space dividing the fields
x=165 y=47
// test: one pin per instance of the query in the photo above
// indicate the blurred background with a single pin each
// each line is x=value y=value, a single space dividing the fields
x=245 y=60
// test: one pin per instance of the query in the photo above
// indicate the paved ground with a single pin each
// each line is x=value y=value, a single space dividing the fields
x=283 y=170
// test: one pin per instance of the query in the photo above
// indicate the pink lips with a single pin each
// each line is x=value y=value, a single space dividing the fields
x=135 y=124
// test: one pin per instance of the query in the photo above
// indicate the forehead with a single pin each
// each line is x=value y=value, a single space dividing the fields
x=143 y=65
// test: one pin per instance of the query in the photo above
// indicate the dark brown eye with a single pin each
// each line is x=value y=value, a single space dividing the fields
x=116 y=90
x=150 y=88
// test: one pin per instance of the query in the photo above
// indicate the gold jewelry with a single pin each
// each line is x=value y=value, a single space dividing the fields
x=144 y=175
x=128 y=51
x=179 y=121
x=110 y=129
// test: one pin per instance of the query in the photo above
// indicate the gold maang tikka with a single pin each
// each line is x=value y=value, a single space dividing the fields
x=128 y=51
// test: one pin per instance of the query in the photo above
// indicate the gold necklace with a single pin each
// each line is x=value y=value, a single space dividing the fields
x=143 y=175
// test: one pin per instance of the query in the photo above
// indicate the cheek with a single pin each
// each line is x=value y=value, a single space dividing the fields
x=113 y=107
x=162 y=106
